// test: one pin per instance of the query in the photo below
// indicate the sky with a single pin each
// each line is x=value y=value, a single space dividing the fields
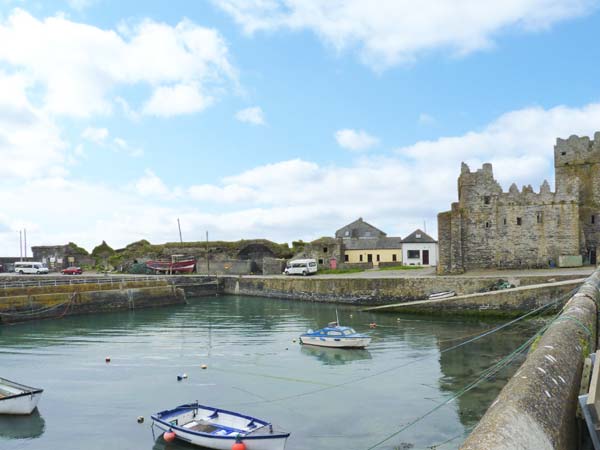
x=282 y=120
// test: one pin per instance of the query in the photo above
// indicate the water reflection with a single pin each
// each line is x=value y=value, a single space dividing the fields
x=254 y=367
x=335 y=356
x=22 y=427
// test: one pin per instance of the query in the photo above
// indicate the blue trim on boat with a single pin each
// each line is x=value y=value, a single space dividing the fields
x=159 y=416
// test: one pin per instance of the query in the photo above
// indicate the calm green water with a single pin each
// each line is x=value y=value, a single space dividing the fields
x=253 y=367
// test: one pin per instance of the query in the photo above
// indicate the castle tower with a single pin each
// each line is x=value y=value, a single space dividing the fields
x=577 y=167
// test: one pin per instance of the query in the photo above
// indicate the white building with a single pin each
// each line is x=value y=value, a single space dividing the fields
x=419 y=249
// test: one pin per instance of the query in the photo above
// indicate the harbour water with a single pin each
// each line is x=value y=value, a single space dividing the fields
x=327 y=398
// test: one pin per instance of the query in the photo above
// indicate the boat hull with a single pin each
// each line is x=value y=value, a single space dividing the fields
x=223 y=443
x=17 y=398
x=217 y=428
x=172 y=267
x=361 y=342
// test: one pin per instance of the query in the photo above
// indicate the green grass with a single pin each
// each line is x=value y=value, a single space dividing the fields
x=402 y=267
x=339 y=271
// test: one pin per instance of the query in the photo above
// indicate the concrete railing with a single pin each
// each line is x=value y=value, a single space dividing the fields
x=536 y=409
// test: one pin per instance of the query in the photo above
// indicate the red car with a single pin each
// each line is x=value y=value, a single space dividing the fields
x=72 y=271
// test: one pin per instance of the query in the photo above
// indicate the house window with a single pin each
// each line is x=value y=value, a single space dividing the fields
x=360 y=258
x=593 y=218
x=377 y=258
x=519 y=221
x=324 y=249
x=321 y=261
x=394 y=257
x=486 y=199
x=347 y=233
x=346 y=259
x=539 y=217
x=367 y=233
x=413 y=254
x=418 y=235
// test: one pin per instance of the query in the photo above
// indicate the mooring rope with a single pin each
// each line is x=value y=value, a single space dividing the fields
x=414 y=361
x=484 y=375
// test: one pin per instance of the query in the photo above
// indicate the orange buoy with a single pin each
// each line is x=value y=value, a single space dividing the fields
x=372 y=325
x=239 y=445
x=169 y=436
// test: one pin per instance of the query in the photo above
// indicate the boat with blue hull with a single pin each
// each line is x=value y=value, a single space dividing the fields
x=217 y=428
x=335 y=335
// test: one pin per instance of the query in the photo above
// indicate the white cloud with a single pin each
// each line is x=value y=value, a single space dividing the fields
x=151 y=185
x=167 y=101
x=252 y=115
x=95 y=135
x=388 y=32
x=79 y=66
x=289 y=199
x=30 y=143
x=355 y=140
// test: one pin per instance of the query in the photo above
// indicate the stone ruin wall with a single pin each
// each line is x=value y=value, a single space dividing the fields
x=481 y=230
x=577 y=161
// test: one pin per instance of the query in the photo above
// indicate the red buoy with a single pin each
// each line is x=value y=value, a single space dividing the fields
x=373 y=325
x=239 y=445
x=107 y=359
x=169 y=436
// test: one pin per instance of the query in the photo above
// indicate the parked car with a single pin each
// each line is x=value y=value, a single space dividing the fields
x=72 y=271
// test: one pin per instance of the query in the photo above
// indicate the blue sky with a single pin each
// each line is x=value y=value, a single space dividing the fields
x=277 y=119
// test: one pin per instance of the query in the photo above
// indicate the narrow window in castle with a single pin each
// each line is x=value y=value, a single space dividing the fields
x=519 y=221
x=487 y=225
x=486 y=199
x=563 y=153
x=504 y=221
x=593 y=218
x=539 y=217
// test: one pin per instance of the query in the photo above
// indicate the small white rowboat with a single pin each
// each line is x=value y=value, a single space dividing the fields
x=17 y=398
x=217 y=428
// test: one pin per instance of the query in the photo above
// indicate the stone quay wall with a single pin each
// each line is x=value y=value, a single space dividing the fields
x=79 y=300
x=363 y=291
x=536 y=409
x=502 y=303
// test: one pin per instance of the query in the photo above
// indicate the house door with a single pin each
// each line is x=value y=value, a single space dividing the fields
x=593 y=256
x=425 y=257
x=369 y=258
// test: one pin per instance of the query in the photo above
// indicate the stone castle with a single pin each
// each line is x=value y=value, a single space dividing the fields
x=489 y=228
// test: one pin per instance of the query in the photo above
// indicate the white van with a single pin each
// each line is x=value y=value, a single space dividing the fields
x=301 y=267
x=30 y=267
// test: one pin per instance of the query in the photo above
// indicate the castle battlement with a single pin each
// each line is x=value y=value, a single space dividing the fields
x=577 y=150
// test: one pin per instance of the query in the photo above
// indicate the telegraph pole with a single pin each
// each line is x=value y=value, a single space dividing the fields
x=179 y=226
x=207 y=260
x=21 y=245
x=25 y=245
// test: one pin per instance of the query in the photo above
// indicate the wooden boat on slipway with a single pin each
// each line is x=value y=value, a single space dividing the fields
x=16 y=398
x=216 y=428
x=177 y=264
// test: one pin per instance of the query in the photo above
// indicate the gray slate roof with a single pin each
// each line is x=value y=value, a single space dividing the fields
x=373 y=244
x=418 y=237
x=359 y=229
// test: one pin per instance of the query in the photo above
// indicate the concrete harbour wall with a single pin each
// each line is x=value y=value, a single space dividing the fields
x=536 y=409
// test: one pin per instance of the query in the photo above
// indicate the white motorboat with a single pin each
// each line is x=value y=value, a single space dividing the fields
x=218 y=429
x=17 y=398
x=335 y=335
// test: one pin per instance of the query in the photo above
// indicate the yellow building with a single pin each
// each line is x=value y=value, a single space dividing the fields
x=364 y=243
